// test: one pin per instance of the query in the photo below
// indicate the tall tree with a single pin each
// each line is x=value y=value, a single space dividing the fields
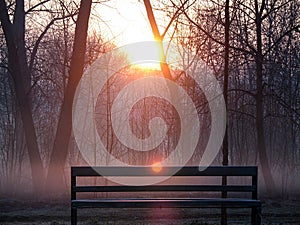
x=260 y=128
x=64 y=128
x=259 y=54
x=225 y=94
x=159 y=38
x=14 y=32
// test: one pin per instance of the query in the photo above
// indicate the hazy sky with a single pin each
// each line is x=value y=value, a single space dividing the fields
x=125 y=19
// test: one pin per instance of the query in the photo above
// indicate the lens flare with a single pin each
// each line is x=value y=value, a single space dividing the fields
x=156 y=167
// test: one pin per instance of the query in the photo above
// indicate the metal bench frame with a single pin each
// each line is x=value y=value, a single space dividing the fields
x=189 y=171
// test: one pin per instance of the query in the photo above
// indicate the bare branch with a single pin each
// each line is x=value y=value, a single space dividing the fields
x=37 y=43
x=174 y=17
x=243 y=91
x=212 y=38
x=35 y=6
x=296 y=28
x=273 y=9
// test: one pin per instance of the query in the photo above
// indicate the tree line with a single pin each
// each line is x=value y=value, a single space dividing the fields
x=252 y=47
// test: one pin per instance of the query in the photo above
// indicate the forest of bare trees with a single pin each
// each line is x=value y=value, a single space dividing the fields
x=252 y=47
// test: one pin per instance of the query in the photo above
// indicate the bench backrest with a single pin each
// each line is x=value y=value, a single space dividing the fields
x=188 y=171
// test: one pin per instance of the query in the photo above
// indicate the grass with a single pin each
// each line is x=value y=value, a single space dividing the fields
x=43 y=213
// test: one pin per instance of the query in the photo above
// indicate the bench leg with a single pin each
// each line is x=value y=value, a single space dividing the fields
x=223 y=216
x=256 y=215
x=73 y=216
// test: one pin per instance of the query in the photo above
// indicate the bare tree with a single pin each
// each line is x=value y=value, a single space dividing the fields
x=64 y=128
x=225 y=93
x=19 y=70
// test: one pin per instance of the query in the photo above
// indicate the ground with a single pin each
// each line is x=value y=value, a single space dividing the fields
x=33 y=213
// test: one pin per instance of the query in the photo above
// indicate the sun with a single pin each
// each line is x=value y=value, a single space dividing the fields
x=144 y=55
x=126 y=27
x=147 y=67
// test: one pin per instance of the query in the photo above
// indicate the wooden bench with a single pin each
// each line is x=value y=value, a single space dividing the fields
x=166 y=202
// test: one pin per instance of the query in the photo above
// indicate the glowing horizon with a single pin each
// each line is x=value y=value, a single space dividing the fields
x=146 y=57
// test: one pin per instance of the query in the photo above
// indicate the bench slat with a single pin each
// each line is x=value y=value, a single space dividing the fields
x=166 y=203
x=166 y=171
x=162 y=188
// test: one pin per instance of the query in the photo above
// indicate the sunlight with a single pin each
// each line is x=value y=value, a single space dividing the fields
x=156 y=167
x=147 y=67
x=147 y=57
x=126 y=22
x=127 y=27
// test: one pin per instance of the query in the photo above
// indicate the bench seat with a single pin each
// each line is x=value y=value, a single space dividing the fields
x=166 y=203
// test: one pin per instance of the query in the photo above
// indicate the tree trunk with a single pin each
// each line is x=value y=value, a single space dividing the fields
x=18 y=68
x=60 y=148
x=225 y=93
x=159 y=39
x=165 y=69
x=262 y=152
x=225 y=85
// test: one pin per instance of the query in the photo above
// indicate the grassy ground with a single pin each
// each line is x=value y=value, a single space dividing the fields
x=21 y=213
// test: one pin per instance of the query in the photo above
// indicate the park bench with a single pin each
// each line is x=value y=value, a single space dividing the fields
x=191 y=201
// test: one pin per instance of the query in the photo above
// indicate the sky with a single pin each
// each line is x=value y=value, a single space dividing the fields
x=126 y=20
